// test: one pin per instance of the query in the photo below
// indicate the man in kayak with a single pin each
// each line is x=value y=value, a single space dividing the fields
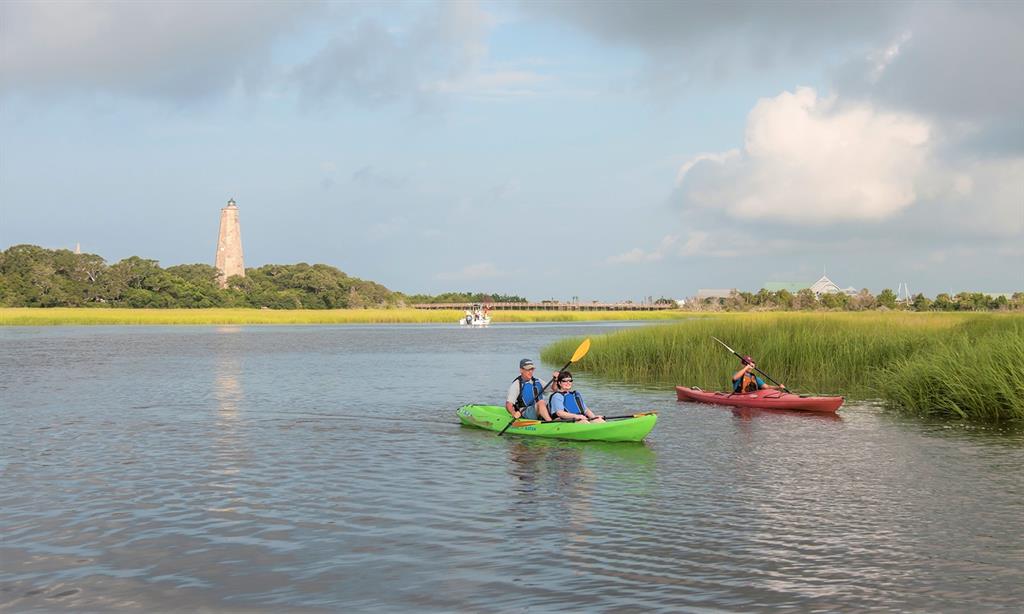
x=567 y=404
x=525 y=395
x=745 y=380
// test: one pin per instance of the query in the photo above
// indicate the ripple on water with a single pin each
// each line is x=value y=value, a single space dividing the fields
x=323 y=468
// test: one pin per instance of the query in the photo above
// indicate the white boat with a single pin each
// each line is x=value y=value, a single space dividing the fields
x=477 y=317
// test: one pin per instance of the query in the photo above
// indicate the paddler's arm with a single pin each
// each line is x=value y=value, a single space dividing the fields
x=736 y=376
x=510 y=400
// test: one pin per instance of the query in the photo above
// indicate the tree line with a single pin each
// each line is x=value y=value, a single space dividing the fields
x=32 y=276
x=806 y=300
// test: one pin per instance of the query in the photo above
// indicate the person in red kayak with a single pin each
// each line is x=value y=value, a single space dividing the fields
x=745 y=380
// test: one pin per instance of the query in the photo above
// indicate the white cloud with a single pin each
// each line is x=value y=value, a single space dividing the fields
x=982 y=198
x=697 y=243
x=637 y=255
x=495 y=85
x=808 y=160
x=881 y=59
x=482 y=270
x=158 y=49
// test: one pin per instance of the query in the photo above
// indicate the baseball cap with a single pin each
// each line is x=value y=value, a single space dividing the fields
x=526 y=363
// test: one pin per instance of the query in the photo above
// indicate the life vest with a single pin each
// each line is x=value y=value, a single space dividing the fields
x=747 y=383
x=528 y=395
x=572 y=402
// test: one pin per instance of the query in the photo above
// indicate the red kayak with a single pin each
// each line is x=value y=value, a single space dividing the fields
x=762 y=399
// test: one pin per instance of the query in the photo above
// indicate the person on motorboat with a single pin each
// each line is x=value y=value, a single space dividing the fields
x=566 y=404
x=745 y=380
x=525 y=397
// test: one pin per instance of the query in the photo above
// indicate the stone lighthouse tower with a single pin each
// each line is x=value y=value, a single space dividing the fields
x=229 y=245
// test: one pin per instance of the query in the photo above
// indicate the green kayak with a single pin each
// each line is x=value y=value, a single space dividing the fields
x=494 y=418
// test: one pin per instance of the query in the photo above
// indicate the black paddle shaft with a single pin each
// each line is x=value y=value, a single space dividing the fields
x=744 y=361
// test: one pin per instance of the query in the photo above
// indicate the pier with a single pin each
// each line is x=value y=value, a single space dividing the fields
x=550 y=306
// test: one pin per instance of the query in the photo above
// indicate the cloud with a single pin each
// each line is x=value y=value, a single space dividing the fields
x=182 y=52
x=809 y=160
x=684 y=42
x=697 y=243
x=472 y=272
x=654 y=26
x=496 y=84
x=166 y=50
x=960 y=60
x=369 y=177
x=373 y=62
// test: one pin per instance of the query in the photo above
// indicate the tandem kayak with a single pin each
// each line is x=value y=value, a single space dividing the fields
x=494 y=418
x=762 y=399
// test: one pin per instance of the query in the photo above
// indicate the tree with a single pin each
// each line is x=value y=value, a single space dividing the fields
x=784 y=299
x=943 y=303
x=834 y=300
x=806 y=300
x=922 y=303
x=887 y=299
x=863 y=300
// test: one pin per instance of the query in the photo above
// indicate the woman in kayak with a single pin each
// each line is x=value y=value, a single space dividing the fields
x=567 y=404
x=744 y=380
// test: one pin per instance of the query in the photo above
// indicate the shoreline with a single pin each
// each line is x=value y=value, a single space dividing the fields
x=101 y=316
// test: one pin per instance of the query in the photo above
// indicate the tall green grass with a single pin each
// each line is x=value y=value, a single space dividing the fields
x=980 y=378
x=860 y=355
x=35 y=316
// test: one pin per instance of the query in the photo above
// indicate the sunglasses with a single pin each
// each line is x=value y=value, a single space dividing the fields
x=565 y=381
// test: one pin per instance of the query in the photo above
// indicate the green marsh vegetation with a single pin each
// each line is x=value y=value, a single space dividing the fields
x=951 y=365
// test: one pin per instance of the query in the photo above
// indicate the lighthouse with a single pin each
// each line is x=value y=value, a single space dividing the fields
x=229 y=245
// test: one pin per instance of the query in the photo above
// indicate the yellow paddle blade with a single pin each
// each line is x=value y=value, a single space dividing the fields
x=646 y=413
x=518 y=423
x=582 y=350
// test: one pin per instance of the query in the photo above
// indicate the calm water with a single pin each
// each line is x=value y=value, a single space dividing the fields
x=323 y=468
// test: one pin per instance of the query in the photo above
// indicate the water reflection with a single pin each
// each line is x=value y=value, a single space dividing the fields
x=751 y=413
x=230 y=451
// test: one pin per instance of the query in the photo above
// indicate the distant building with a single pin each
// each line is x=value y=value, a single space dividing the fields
x=229 y=245
x=820 y=287
x=827 y=286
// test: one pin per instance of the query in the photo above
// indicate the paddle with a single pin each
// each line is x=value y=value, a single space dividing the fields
x=646 y=413
x=744 y=361
x=580 y=352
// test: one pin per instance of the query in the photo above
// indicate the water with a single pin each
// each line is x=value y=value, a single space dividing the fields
x=323 y=468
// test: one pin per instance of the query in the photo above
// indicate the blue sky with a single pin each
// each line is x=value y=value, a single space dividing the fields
x=608 y=150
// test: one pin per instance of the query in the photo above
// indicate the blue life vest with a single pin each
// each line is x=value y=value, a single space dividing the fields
x=572 y=402
x=528 y=395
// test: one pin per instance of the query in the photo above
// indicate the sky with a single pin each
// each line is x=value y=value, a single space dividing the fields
x=553 y=150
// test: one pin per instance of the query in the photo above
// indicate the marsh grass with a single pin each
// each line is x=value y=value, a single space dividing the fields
x=30 y=316
x=860 y=355
x=968 y=377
